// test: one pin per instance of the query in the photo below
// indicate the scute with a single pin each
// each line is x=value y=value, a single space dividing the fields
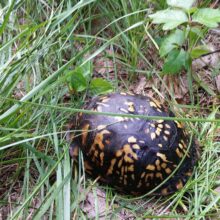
x=134 y=155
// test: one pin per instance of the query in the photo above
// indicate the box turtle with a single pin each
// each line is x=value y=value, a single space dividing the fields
x=134 y=155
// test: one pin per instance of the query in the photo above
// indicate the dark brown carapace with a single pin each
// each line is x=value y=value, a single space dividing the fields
x=134 y=155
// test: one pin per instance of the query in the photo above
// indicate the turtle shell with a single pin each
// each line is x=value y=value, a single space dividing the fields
x=135 y=155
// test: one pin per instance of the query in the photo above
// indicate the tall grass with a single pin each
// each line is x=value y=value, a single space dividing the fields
x=39 y=41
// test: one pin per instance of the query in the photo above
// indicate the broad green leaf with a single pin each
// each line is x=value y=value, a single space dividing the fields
x=78 y=81
x=186 y=4
x=198 y=31
x=175 y=61
x=87 y=70
x=195 y=34
x=192 y=10
x=207 y=16
x=171 y=41
x=100 y=86
x=199 y=51
x=170 y=18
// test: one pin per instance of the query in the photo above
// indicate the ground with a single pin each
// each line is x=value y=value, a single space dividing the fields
x=40 y=49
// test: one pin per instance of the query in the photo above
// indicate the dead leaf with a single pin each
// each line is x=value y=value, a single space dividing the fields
x=88 y=205
x=103 y=64
x=209 y=60
x=140 y=86
x=217 y=81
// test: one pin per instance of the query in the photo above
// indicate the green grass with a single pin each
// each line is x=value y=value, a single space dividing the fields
x=39 y=42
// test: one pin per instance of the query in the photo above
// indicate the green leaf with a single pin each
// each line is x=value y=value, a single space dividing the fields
x=195 y=34
x=78 y=81
x=192 y=10
x=100 y=86
x=173 y=40
x=207 y=16
x=175 y=61
x=170 y=18
x=186 y=4
x=87 y=69
x=199 y=51
x=198 y=31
